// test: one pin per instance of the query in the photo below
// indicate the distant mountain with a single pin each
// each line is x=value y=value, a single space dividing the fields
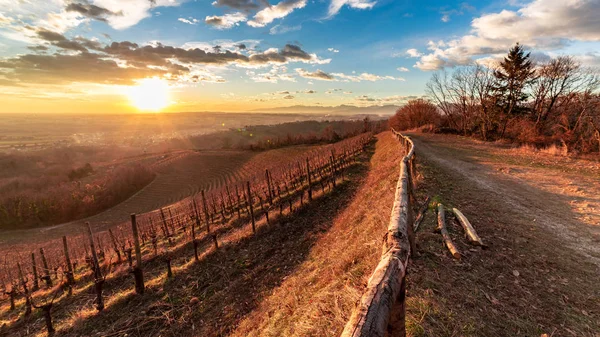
x=335 y=110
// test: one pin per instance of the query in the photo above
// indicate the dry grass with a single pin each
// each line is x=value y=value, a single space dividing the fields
x=529 y=282
x=318 y=297
x=553 y=150
x=205 y=298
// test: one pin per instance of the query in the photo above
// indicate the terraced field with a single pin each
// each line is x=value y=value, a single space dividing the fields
x=179 y=175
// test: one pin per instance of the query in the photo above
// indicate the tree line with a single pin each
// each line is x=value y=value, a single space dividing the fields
x=541 y=103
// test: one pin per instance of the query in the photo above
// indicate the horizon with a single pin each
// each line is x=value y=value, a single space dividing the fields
x=106 y=56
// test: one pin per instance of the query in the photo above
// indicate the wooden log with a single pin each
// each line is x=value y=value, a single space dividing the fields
x=469 y=230
x=372 y=315
x=421 y=214
x=442 y=229
x=138 y=272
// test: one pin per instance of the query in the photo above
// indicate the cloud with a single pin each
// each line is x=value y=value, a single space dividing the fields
x=131 y=12
x=288 y=97
x=226 y=21
x=282 y=29
x=62 y=69
x=540 y=24
x=58 y=40
x=403 y=69
x=364 y=77
x=91 y=11
x=281 y=10
x=413 y=53
x=276 y=74
x=125 y=61
x=333 y=50
x=191 y=21
x=336 y=5
x=318 y=74
x=243 y=5
x=445 y=18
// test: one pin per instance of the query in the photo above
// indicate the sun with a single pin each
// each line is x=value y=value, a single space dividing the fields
x=150 y=94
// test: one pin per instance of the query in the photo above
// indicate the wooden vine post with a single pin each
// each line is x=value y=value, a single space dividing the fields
x=252 y=208
x=98 y=279
x=115 y=246
x=36 y=284
x=25 y=290
x=309 y=180
x=47 y=278
x=208 y=221
x=70 y=273
x=269 y=187
x=194 y=224
x=138 y=272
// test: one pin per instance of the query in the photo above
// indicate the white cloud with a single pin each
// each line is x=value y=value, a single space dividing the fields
x=403 y=69
x=276 y=74
x=131 y=11
x=445 y=18
x=191 y=21
x=281 y=10
x=336 y=5
x=540 y=24
x=282 y=29
x=333 y=50
x=226 y=21
x=365 y=77
x=413 y=53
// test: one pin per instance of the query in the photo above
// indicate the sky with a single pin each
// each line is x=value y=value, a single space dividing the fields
x=107 y=56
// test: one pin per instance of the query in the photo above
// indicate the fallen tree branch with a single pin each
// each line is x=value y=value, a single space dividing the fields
x=442 y=229
x=469 y=230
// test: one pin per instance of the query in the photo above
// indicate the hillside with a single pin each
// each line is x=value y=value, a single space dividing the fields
x=302 y=273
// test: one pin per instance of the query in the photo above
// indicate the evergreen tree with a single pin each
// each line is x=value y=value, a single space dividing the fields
x=516 y=71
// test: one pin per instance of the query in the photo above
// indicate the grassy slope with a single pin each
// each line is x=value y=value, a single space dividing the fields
x=318 y=297
x=207 y=298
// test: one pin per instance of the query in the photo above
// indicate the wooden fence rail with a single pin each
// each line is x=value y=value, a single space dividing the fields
x=381 y=308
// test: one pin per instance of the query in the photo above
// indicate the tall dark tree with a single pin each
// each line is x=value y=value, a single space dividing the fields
x=516 y=71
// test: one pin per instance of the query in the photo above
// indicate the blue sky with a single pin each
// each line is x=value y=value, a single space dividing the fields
x=297 y=52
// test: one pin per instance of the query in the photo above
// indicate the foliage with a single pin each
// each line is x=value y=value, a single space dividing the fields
x=551 y=103
x=414 y=114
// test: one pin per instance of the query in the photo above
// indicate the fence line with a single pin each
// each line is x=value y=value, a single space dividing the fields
x=382 y=306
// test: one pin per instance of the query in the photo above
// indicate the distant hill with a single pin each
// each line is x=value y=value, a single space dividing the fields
x=386 y=110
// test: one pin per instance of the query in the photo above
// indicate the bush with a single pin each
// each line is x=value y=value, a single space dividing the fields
x=416 y=113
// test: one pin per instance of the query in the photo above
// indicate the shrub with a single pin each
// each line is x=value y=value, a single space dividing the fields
x=414 y=114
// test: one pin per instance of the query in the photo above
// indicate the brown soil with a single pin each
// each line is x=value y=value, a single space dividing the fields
x=540 y=272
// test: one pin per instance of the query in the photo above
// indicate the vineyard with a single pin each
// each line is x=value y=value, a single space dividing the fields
x=87 y=273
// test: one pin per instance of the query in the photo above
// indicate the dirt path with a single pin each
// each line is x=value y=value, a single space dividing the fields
x=537 y=213
x=540 y=194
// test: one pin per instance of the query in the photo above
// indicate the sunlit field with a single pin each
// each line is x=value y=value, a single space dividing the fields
x=292 y=168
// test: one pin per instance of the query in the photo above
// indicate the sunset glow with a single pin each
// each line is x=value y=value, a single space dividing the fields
x=150 y=94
